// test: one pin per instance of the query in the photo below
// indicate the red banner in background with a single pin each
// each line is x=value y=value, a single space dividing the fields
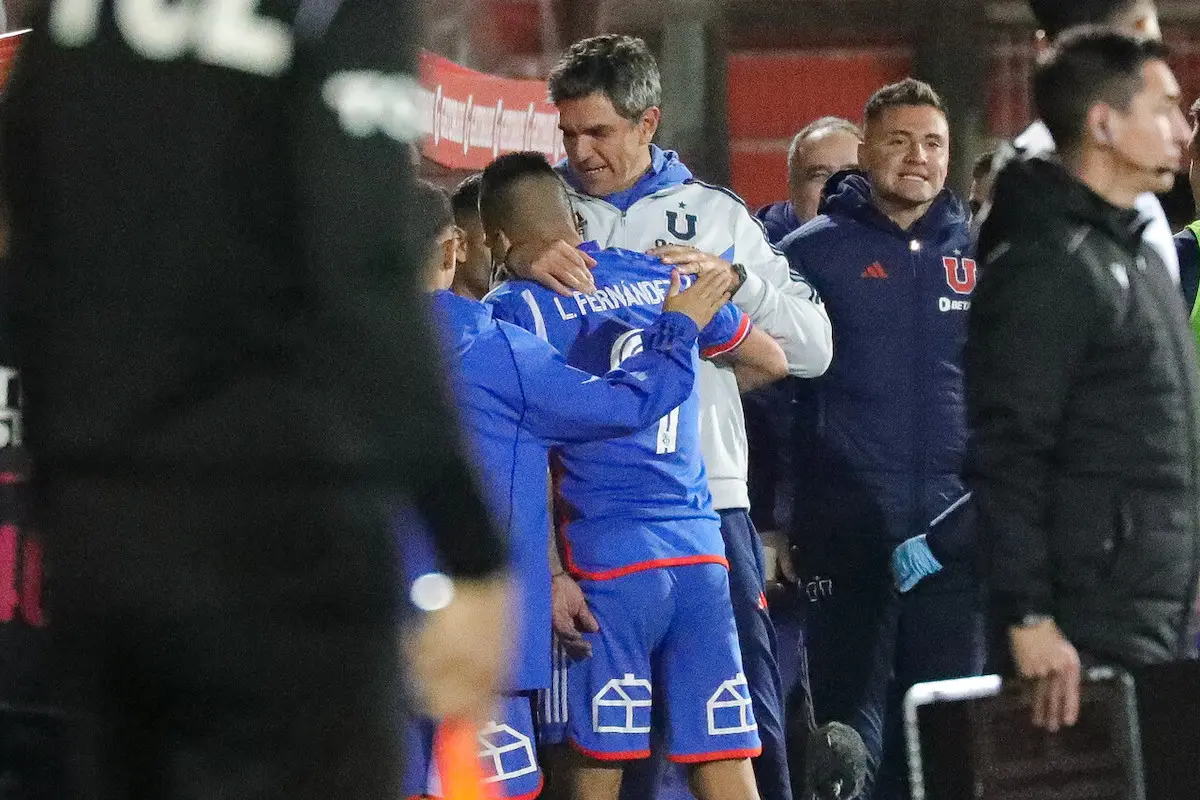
x=471 y=117
x=8 y=53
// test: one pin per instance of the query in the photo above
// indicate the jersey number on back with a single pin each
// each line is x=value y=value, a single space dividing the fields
x=627 y=345
x=224 y=33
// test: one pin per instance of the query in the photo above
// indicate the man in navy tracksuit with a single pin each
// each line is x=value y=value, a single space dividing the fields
x=883 y=521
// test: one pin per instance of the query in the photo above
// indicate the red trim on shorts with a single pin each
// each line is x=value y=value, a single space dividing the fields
x=722 y=755
x=527 y=796
x=738 y=337
x=762 y=600
x=642 y=566
x=579 y=573
x=534 y=793
x=628 y=755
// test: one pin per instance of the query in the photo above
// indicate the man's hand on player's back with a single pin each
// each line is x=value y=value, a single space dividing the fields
x=559 y=267
x=460 y=652
x=702 y=299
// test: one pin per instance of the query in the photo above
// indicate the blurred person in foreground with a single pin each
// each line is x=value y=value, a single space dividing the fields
x=821 y=148
x=883 y=530
x=1082 y=384
x=519 y=397
x=218 y=316
x=631 y=194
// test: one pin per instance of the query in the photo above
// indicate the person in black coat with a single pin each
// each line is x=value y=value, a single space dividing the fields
x=1081 y=378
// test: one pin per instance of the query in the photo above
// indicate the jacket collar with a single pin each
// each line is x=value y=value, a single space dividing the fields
x=848 y=193
x=666 y=171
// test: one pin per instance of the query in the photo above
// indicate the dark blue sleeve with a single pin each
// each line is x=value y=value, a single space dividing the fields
x=1188 y=250
x=564 y=404
x=951 y=535
x=728 y=328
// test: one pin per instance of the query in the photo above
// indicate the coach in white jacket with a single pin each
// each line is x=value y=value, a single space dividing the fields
x=630 y=194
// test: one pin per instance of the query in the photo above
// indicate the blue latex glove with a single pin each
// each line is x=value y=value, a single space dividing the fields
x=913 y=561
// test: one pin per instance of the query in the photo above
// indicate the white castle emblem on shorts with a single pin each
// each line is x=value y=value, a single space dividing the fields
x=729 y=708
x=622 y=706
x=505 y=753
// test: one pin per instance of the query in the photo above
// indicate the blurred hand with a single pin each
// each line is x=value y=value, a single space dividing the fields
x=912 y=562
x=691 y=261
x=459 y=654
x=1044 y=657
x=702 y=299
x=560 y=267
x=571 y=616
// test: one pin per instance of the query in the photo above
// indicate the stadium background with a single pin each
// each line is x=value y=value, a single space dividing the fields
x=740 y=77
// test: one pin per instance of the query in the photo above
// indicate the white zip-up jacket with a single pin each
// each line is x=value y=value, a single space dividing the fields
x=668 y=206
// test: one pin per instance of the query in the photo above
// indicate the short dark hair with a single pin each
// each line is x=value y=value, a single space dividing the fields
x=465 y=200
x=1056 y=16
x=1086 y=66
x=621 y=67
x=908 y=92
x=983 y=164
x=498 y=180
x=433 y=208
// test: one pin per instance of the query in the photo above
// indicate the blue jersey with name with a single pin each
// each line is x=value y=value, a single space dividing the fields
x=641 y=501
x=518 y=397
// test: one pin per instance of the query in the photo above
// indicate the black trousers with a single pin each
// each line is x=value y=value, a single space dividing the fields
x=224 y=641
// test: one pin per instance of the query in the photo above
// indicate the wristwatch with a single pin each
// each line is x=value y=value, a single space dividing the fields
x=739 y=271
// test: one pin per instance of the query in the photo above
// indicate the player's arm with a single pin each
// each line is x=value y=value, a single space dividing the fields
x=564 y=404
x=757 y=359
x=779 y=300
x=350 y=117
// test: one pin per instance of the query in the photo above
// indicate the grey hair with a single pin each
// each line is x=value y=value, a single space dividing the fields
x=621 y=67
x=821 y=125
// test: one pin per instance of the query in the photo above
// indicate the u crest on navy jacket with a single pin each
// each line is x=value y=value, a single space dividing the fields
x=881 y=437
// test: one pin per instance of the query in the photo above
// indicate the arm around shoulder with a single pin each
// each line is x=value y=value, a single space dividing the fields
x=782 y=302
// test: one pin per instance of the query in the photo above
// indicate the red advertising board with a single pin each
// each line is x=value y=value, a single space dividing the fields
x=8 y=53
x=471 y=117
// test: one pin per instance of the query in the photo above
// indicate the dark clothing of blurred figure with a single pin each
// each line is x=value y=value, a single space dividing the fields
x=230 y=385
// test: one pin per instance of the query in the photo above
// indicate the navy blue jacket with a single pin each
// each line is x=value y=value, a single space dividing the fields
x=881 y=437
x=1188 y=250
x=778 y=220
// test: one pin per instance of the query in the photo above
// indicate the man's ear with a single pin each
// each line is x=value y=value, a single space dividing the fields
x=864 y=155
x=1099 y=123
x=460 y=245
x=497 y=242
x=648 y=124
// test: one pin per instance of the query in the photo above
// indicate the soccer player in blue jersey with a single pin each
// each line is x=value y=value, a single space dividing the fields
x=518 y=396
x=638 y=528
